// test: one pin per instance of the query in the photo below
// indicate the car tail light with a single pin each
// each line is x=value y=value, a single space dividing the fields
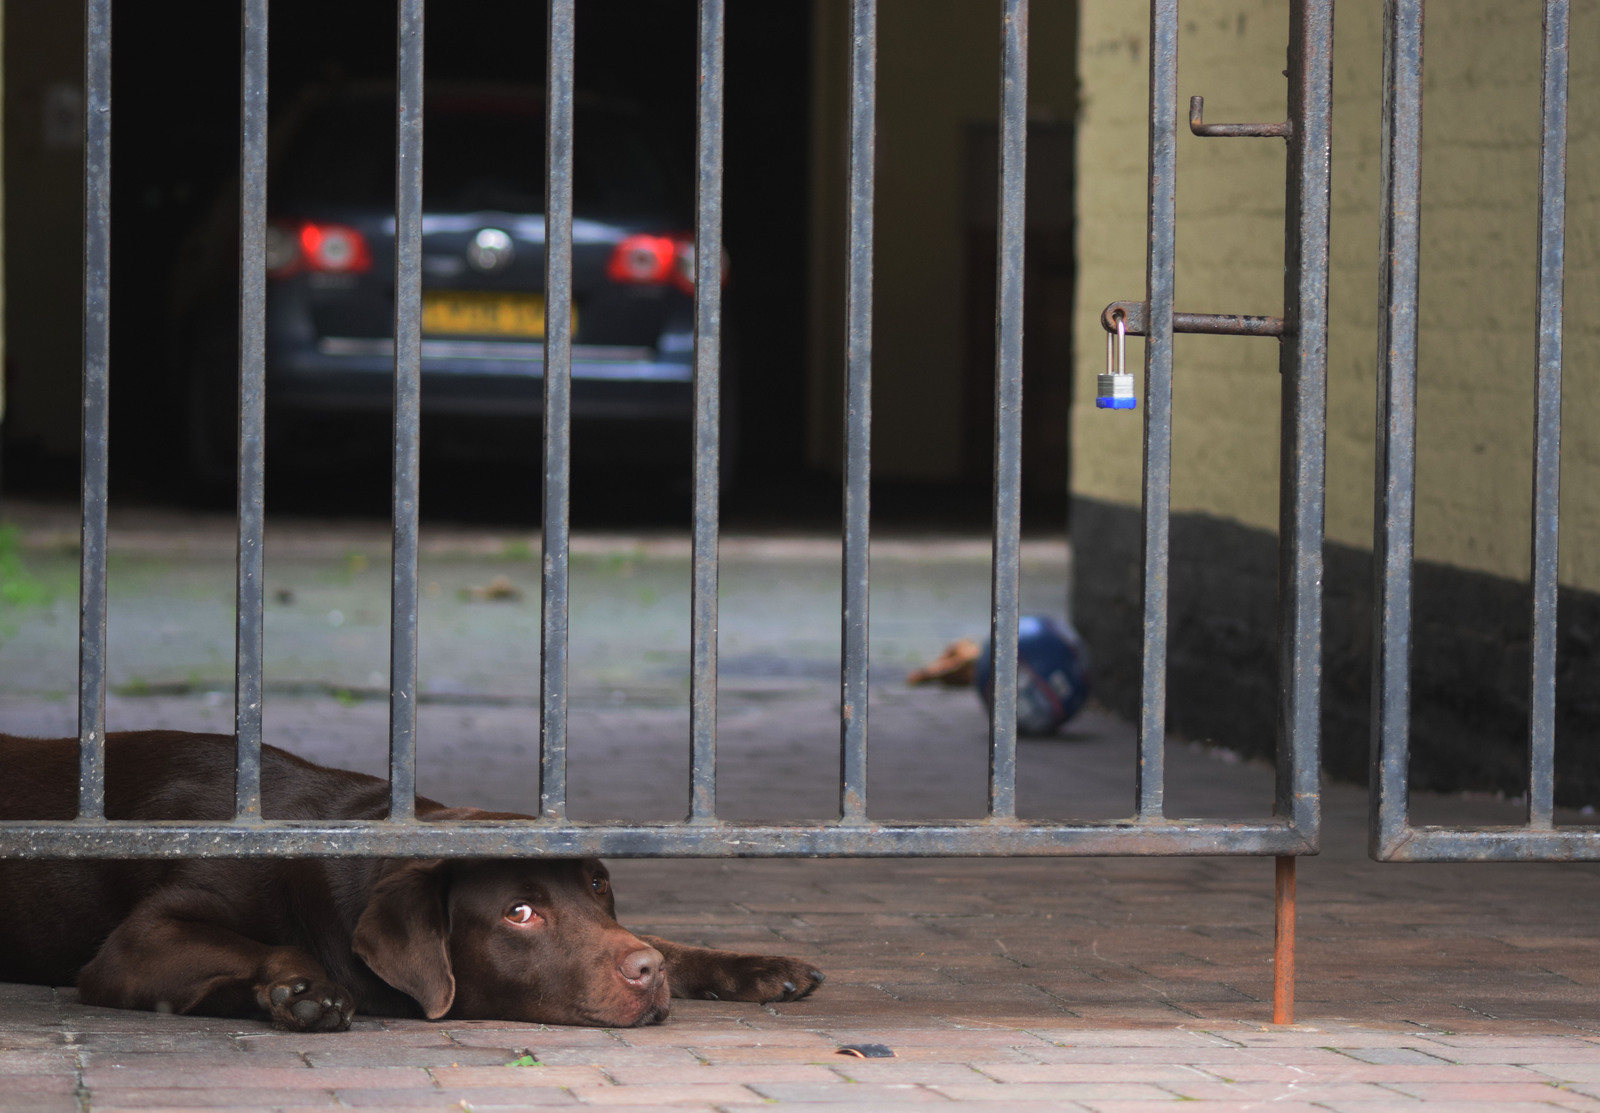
x=334 y=248
x=642 y=260
x=316 y=246
x=645 y=260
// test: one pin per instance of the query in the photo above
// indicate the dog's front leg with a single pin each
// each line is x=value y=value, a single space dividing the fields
x=173 y=955
x=706 y=974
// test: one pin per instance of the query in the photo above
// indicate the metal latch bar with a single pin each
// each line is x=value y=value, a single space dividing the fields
x=1135 y=314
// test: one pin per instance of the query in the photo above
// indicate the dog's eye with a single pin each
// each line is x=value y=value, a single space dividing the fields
x=601 y=885
x=522 y=913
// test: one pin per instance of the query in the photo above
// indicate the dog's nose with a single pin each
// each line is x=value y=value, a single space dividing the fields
x=641 y=968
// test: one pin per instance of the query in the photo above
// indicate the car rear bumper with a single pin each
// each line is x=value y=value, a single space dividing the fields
x=482 y=378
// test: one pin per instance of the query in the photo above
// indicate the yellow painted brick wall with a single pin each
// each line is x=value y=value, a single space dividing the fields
x=1480 y=166
x=938 y=73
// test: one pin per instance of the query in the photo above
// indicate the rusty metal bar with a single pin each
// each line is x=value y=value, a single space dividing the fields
x=1547 y=415
x=1303 y=364
x=381 y=839
x=858 y=415
x=1197 y=124
x=557 y=411
x=248 y=617
x=708 y=409
x=1160 y=270
x=1005 y=574
x=1217 y=324
x=1393 y=545
x=1283 y=923
x=96 y=409
x=1492 y=844
x=407 y=414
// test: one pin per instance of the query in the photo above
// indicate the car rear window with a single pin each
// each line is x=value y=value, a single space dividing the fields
x=477 y=153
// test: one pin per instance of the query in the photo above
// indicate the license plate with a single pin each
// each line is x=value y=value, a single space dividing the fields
x=484 y=313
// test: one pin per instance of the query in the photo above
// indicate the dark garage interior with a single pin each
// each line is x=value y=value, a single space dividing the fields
x=175 y=135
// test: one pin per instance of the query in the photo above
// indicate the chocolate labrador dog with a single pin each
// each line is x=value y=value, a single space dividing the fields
x=311 y=942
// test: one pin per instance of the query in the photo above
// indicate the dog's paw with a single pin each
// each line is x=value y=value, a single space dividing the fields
x=769 y=978
x=307 y=1005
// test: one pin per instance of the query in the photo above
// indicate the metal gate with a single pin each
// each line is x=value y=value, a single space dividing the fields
x=1393 y=838
x=1293 y=828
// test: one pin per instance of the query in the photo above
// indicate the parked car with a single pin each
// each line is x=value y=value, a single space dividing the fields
x=330 y=288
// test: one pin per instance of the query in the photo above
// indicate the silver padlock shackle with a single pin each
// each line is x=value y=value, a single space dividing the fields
x=1117 y=357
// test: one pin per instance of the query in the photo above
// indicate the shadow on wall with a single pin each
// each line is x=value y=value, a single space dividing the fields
x=1469 y=676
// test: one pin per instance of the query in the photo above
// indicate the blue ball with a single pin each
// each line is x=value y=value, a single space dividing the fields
x=1052 y=674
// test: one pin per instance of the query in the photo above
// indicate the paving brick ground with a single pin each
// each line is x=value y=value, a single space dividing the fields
x=1090 y=984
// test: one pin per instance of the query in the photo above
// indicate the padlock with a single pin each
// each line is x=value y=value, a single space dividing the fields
x=1116 y=385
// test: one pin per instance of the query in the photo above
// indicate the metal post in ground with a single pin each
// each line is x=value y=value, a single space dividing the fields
x=1283 y=942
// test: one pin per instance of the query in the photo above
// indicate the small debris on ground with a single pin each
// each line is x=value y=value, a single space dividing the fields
x=867 y=1050
x=500 y=589
x=954 y=668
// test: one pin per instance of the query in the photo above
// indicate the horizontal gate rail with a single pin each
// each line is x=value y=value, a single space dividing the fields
x=395 y=839
x=1392 y=837
x=1292 y=830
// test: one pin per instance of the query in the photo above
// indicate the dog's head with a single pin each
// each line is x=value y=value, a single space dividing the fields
x=535 y=941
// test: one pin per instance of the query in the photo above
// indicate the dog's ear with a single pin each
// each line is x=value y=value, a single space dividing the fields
x=403 y=935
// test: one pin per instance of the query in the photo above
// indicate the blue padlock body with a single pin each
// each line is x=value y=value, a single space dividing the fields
x=1116 y=403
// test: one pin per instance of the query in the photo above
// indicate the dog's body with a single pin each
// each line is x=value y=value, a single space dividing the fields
x=310 y=942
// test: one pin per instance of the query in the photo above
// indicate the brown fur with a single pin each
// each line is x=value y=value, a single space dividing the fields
x=310 y=942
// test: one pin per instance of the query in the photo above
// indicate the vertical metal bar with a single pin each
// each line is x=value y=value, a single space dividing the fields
x=1304 y=362
x=858 y=413
x=252 y=408
x=1008 y=410
x=1160 y=261
x=96 y=408
x=1283 y=923
x=1547 y=415
x=707 y=416
x=1394 y=515
x=407 y=414
x=557 y=411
